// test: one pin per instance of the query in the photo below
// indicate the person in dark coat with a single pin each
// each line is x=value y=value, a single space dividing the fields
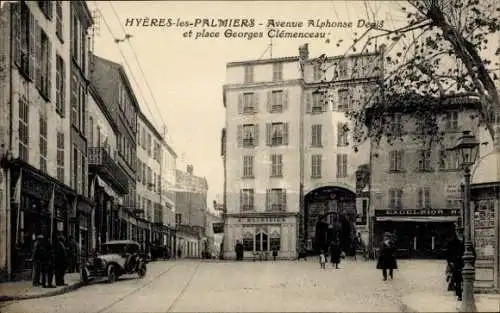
x=60 y=260
x=387 y=258
x=454 y=256
x=47 y=265
x=238 y=248
x=335 y=252
x=38 y=256
x=72 y=256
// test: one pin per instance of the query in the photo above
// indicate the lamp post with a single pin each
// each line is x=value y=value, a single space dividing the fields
x=467 y=149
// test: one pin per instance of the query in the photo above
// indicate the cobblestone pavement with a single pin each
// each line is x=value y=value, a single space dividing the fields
x=201 y=286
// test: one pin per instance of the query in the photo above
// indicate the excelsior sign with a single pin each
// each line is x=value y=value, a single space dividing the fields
x=418 y=212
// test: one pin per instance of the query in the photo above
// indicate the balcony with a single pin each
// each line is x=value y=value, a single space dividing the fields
x=101 y=163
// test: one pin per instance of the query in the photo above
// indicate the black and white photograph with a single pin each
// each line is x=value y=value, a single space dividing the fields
x=249 y=156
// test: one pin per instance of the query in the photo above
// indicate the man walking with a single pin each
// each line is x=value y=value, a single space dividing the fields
x=47 y=265
x=60 y=260
x=38 y=255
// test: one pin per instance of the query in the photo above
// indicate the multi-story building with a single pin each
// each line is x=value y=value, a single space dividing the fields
x=168 y=182
x=287 y=157
x=115 y=89
x=151 y=195
x=190 y=211
x=108 y=181
x=41 y=174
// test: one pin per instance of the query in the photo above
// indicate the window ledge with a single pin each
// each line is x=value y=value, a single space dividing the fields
x=397 y=171
x=248 y=177
x=277 y=176
x=317 y=145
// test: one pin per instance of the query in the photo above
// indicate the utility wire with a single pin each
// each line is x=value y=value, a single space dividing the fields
x=123 y=56
x=127 y=38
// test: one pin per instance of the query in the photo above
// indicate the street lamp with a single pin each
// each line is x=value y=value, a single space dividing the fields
x=467 y=149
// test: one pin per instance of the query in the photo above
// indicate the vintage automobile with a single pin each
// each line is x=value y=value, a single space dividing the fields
x=118 y=257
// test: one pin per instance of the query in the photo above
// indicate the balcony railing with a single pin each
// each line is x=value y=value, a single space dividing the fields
x=100 y=162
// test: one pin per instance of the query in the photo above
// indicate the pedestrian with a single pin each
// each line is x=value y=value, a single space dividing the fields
x=179 y=252
x=322 y=260
x=72 y=255
x=387 y=258
x=335 y=252
x=60 y=260
x=47 y=265
x=238 y=248
x=38 y=255
x=275 y=253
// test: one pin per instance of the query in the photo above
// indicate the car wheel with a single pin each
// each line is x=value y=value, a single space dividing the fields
x=84 y=276
x=112 y=274
x=142 y=270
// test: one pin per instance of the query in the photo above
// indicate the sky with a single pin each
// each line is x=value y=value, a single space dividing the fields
x=186 y=75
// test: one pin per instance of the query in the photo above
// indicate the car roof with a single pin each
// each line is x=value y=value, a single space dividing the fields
x=122 y=242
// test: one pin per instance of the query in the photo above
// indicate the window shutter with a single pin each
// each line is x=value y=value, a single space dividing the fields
x=285 y=100
x=401 y=160
x=239 y=136
x=271 y=159
x=339 y=134
x=285 y=133
x=241 y=200
x=339 y=165
x=32 y=50
x=419 y=198
x=392 y=157
x=16 y=30
x=268 y=199
x=256 y=130
x=324 y=103
x=344 y=164
x=38 y=62
x=308 y=96
x=427 y=197
x=268 y=134
x=49 y=70
x=269 y=101
x=63 y=89
x=255 y=98
x=240 y=103
x=283 y=199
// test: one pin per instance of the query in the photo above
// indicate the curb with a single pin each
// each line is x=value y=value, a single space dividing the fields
x=61 y=291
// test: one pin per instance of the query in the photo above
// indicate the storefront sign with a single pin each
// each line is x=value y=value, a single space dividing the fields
x=419 y=212
x=263 y=220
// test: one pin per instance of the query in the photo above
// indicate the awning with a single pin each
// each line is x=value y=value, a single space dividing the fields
x=423 y=219
x=109 y=190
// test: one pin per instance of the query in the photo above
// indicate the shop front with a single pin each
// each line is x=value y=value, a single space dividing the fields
x=422 y=233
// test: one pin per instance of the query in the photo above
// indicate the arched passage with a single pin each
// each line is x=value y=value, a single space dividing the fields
x=329 y=211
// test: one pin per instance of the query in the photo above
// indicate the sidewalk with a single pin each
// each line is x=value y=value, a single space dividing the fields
x=431 y=302
x=21 y=290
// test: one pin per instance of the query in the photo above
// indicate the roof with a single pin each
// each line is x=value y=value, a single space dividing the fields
x=487 y=169
x=263 y=61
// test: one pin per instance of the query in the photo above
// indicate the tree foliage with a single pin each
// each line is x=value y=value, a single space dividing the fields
x=444 y=48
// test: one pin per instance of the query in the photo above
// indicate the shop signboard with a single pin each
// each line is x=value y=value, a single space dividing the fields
x=418 y=212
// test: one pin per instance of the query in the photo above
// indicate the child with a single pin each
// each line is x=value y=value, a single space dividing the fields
x=322 y=259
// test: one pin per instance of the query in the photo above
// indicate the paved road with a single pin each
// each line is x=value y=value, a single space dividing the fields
x=201 y=286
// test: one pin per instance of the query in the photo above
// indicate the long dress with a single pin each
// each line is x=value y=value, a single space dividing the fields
x=335 y=252
x=387 y=258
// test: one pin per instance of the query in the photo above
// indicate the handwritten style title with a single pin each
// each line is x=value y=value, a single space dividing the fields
x=250 y=28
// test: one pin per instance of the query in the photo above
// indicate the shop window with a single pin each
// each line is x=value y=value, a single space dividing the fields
x=261 y=242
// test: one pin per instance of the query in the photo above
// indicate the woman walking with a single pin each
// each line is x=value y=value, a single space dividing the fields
x=387 y=258
x=335 y=252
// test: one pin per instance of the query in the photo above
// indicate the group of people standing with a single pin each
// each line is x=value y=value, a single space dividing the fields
x=52 y=259
x=335 y=252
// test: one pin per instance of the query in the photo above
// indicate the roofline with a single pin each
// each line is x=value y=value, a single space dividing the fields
x=263 y=61
x=149 y=125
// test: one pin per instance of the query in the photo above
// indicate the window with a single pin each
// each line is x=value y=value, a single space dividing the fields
x=46 y=8
x=83 y=170
x=451 y=119
x=342 y=132
x=178 y=218
x=248 y=102
x=424 y=198
x=275 y=241
x=395 y=198
x=248 y=135
x=43 y=142
x=74 y=101
x=59 y=19
x=317 y=72
x=276 y=200
x=448 y=160
x=261 y=242
x=45 y=66
x=248 y=166
x=342 y=69
x=341 y=165
x=60 y=84
x=248 y=242
x=316 y=135
x=316 y=166
x=75 y=175
x=277 y=134
x=343 y=100
x=276 y=165
x=60 y=156
x=317 y=102
x=424 y=160
x=246 y=199
x=24 y=27
x=90 y=137
x=81 y=113
x=149 y=144
x=277 y=101
x=23 y=127
x=277 y=71
x=396 y=126
x=248 y=74
x=396 y=160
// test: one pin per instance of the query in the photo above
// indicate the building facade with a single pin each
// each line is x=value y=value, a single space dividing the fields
x=282 y=133
x=116 y=91
x=190 y=211
x=168 y=181
x=40 y=193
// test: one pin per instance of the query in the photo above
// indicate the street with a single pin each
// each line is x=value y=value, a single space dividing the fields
x=282 y=286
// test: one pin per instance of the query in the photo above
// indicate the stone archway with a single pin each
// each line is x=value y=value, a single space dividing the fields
x=329 y=211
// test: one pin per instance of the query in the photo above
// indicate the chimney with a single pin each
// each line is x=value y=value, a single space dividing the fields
x=304 y=52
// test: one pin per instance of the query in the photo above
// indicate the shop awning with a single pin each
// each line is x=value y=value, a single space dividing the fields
x=423 y=219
